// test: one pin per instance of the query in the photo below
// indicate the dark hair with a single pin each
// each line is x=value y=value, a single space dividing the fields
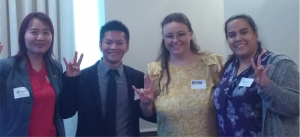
x=164 y=53
x=114 y=25
x=253 y=26
x=22 y=53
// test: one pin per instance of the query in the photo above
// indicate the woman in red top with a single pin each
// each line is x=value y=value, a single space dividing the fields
x=30 y=83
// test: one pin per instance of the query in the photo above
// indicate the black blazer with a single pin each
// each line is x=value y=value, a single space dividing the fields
x=81 y=94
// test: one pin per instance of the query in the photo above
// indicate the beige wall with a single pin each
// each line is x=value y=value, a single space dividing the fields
x=143 y=18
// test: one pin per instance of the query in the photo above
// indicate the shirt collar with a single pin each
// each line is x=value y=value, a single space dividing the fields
x=28 y=65
x=104 y=68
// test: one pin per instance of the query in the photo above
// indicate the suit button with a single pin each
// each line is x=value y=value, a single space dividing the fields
x=28 y=102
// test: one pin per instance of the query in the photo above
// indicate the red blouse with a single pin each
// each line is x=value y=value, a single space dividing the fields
x=42 y=114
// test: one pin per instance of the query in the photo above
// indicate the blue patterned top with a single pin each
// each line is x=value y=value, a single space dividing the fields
x=239 y=108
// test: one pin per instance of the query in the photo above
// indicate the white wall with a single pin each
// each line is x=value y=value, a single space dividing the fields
x=143 y=18
x=277 y=21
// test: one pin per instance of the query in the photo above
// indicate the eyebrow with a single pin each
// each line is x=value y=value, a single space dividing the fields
x=239 y=30
x=37 y=29
x=176 y=32
x=244 y=29
x=118 y=40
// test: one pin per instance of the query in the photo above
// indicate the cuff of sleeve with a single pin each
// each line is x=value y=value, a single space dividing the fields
x=268 y=92
x=142 y=112
x=70 y=80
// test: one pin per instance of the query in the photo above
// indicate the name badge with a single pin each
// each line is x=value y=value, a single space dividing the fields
x=246 y=82
x=198 y=84
x=21 y=92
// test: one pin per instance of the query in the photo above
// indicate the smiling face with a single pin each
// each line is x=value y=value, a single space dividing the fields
x=177 y=38
x=114 y=46
x=37 y=37
x=241 y=38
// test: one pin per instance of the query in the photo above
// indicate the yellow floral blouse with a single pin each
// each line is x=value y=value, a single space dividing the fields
x=186 y=110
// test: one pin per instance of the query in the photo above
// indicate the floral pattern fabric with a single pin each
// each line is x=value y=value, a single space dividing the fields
x=184 y=111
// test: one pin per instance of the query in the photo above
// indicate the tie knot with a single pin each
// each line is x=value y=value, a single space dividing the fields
x=112 y=72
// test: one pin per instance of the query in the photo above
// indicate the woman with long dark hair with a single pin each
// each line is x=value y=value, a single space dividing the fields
x=259 y=91
x=30 y=83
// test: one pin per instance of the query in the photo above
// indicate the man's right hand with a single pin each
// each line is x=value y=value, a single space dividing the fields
x=73 y=67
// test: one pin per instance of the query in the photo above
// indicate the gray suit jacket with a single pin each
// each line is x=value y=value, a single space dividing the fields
x=15 y=113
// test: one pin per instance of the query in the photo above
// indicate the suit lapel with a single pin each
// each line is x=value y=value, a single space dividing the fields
x=52 y=75
x=94 y=86
x=129 y=79
x=23 y=77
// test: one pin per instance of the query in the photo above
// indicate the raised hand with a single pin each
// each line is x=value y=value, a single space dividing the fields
x=1 y=47
x=146 y=94
x=261 y=73
x=73 y=67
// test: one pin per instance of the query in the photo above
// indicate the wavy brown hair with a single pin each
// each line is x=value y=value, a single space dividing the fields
x=164 y=53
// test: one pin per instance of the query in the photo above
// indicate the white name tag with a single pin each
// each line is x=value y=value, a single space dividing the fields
x=21 y=92
x=198 y=84
x=246 y=82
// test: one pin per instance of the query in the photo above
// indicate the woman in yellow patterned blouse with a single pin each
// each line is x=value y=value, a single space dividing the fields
x=180 y=87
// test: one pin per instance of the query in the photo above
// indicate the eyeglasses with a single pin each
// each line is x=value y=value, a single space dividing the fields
x=179 y=35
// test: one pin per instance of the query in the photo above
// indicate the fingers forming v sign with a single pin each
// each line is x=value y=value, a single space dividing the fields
x=146 y=94
x=261 y=73
x=73 y=67
x=1 y=47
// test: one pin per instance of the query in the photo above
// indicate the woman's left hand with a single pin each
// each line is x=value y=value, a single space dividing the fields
x=261 y=73
x=146 y=94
